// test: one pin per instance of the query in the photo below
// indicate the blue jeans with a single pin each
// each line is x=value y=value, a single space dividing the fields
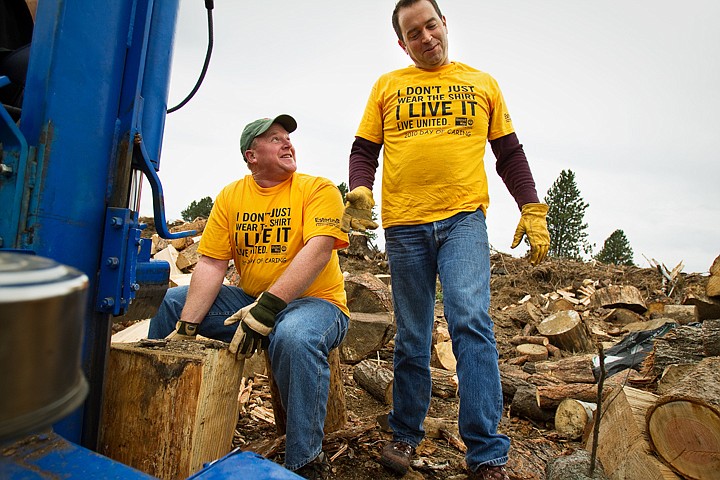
x=457 y=250
x=304 y=334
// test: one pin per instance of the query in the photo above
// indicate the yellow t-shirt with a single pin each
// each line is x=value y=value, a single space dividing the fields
x=262 y=229
x=434 y=125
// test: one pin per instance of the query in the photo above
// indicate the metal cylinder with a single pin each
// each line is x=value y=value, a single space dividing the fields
x=42 y=307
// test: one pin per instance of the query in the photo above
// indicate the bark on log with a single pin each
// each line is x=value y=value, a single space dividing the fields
x=524 y=404
x=180 y=398
x=684 y=424
x=367 y=333
x=444 y=383
x=681 y=345
x=336 y=416
x=708 y=307
x=525 y=314
x=623 y=448
x=550 y=396
x=616 y=296
x=567 y=331
x=711 y=338
x=375 y=379
x=575 y=369
x=367 y=294
x=533 y=339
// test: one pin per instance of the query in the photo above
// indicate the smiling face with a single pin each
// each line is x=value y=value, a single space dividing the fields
x=424 y=35
x=271 y=156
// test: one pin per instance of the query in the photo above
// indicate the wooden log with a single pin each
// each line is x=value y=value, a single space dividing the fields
x=367 y=333
x=169 y=407
x=712 y=289
x=616 y=296
x=573 y=418
x=684 y=424
x=534 y=339
x=444 y=383
x=189 y=257
x=681 y=345
x=374 y=378
x=574 y=466
x=336 y=416
x=567 y=331
x=443 y=356
x=708 y=307
x=367 y=294
x=512 y=378
x=525 y=314
x=550 y=396
x=711 y=338
x=682 y=314
x=622 y=447
x=575 y=369
x=524 y=405
x=534 y=352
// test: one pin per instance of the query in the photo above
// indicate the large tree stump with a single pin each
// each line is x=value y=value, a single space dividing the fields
x=567 y=331
x=336 y=416
x=684 y=424
x=169 y=407
x=622 y=446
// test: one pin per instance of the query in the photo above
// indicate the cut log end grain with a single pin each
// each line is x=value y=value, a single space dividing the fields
x=687 y=435
x=534 y=353
x=567 y=331
x=573 y=417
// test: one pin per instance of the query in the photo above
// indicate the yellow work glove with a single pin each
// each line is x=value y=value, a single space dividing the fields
x=533 y=223
x=256 y=322
x=358 y=210
x=183 y=331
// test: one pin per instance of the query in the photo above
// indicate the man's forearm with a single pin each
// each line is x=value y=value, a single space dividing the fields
x=205 y=284
x=513 y=168
x=364 y=156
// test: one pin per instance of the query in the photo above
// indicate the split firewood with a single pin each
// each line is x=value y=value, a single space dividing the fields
x=188 y=257
x=682 y=314
x=534 y=339
x=707 y=308
x=525 y=314
x=684 y=424
x=616 y=296
x=367 y=333
x=712 y=289
x=443 y=356
x=567 y=331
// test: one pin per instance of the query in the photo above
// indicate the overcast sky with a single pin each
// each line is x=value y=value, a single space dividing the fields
x=626 y=94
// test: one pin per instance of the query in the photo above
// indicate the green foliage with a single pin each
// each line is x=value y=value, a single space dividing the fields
x=616 y=250
x=368 y=233
x=200 y=208
x=568 y=236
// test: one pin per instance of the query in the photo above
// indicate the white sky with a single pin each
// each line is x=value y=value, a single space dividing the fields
x=624 y=93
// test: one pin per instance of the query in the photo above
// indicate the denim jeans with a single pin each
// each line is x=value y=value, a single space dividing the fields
x=457 y=250
x=305 y=332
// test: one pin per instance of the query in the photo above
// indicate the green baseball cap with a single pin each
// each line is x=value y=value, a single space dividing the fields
x=260 y=126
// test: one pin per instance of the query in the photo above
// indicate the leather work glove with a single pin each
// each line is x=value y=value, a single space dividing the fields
x=358 y=210
x=256 y=322
x=533 y=223
x=183 y=331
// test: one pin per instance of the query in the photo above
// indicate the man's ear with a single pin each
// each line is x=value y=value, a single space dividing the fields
x=402 y=45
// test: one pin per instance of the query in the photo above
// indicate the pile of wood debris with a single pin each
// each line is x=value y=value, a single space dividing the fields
x=640 y=346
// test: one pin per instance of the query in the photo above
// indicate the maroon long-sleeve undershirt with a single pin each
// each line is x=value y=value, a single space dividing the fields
x=511 y=165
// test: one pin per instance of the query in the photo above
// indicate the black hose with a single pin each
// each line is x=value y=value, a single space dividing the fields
x=209 y=5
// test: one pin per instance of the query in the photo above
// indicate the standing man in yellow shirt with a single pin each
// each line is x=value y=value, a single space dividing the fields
x=432 y=120
x=282 y=230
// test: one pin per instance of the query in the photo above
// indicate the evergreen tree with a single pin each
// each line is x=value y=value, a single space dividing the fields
x=616 y=250
x=200 y=208
x=568 y=236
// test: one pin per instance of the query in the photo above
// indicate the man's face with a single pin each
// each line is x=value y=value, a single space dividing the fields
x=273 y=154
x=424 y=35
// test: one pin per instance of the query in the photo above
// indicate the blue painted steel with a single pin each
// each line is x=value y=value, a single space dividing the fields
x=48 y=456
x=238 y=464
x=81 y=116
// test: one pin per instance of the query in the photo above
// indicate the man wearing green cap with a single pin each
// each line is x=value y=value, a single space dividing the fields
x=282 y=230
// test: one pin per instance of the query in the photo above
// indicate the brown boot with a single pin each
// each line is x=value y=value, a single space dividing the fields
x=396 y=457
x=489 y=472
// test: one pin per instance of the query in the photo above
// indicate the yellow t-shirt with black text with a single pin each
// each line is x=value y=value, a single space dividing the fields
x=434 y=126
x=262 y=229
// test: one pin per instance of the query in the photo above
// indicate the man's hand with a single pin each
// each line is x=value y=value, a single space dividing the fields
x=183 y=331
x=533 y=223
x=358 y=210
x=256 y=322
